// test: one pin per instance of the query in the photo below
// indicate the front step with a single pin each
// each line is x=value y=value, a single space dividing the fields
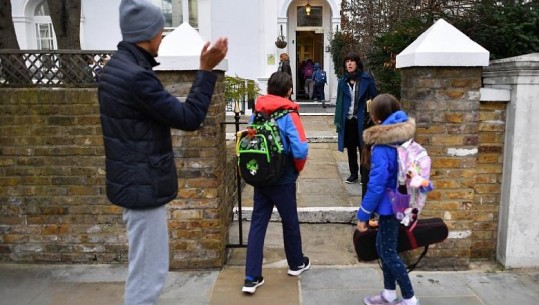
x=345 y=215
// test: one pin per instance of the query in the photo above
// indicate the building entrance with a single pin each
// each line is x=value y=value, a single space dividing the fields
x=310 y=46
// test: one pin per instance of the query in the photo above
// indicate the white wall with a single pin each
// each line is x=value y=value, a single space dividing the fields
x=252 y=28
x=239 y=21
x=518 y=232
x=22 y=24
x=101 y=27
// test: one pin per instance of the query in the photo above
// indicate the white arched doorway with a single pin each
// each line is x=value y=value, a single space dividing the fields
x=309 y=37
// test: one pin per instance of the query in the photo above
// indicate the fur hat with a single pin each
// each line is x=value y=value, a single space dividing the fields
x=140 y=20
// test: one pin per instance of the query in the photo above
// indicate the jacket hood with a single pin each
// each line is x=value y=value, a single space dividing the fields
x=396 y=129
x=270 y=103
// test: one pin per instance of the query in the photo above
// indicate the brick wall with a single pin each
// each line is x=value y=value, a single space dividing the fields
x=488 y=179
x=53 y=206
x=465 y=146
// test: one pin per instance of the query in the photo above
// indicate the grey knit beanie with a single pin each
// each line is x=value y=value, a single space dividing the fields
x=140 y=20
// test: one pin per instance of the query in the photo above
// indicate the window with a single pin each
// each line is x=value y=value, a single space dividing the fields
x=45 y=36
x=314 y=19
x=44 y=30
x=173 y=11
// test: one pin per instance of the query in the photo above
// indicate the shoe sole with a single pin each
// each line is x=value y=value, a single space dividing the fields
x=298 y=272
x=367 y=302
x=251 y=290
x=350 y=182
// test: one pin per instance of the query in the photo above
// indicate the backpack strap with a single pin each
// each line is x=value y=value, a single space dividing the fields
x=413 y=243
x=280 y=113
x=273 y=115
x=411 y=267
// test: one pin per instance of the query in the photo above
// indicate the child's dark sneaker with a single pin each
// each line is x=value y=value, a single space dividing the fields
x=249 y=286
x=352 y=179
x=299 y=270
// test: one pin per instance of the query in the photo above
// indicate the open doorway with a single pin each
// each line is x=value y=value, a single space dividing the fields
x=310 y=45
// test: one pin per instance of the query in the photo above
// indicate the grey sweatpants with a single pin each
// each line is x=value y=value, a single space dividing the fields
x=147 y=235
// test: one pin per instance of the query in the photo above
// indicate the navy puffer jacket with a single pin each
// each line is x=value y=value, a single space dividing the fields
x=136 y=116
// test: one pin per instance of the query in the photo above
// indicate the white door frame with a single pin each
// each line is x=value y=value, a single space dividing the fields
x=287 y=18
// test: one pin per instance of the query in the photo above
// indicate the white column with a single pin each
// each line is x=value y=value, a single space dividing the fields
x=518 y=233
x=185 y=11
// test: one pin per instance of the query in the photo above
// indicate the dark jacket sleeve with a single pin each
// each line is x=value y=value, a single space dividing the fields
x=287 y=69
x=165 y=108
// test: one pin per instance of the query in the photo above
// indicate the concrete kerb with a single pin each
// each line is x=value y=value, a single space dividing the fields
x=309 y=215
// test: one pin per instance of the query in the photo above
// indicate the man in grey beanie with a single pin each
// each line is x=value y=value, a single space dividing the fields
x=136 y=116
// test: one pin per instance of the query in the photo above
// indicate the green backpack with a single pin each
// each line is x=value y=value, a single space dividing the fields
x=261 y=158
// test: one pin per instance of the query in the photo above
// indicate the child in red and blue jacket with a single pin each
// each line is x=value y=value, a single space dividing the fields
x=282 y=193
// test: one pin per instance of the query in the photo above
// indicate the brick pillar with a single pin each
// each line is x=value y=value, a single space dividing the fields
x=445 y=103
x=440 y=87
x=199 y=217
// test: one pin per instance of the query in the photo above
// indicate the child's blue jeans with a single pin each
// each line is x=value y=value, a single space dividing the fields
x=392 y=265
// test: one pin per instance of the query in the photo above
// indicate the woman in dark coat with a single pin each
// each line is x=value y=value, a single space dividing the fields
x=284 y=66
x=354 y=89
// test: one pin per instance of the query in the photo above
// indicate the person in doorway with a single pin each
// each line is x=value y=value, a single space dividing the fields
x=308 y=70
x=354 y=89
x=320 y=81
x=282 y=194
x=284 y=66
x=136 y=116
x=393 y=127
x=300 y=80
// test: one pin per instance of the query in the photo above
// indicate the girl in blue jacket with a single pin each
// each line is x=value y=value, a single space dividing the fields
x=392 y=128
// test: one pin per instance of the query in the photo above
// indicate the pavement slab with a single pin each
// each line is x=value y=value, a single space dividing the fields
x=328 y=244
x=503 y=288
x=78 y=293
x=278 y=288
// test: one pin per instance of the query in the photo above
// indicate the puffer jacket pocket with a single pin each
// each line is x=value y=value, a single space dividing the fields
x=163 y=176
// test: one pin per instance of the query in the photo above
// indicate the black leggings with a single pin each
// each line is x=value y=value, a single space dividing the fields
x=352 y=144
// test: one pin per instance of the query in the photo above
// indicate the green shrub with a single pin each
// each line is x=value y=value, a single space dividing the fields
x=504 y=28
x=341 y=44
x=241 y=89
x=382 y=59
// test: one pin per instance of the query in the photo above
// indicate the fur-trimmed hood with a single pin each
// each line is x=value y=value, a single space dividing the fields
x=396 y=129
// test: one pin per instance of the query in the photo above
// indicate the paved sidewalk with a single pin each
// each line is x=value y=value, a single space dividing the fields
x=322 y=285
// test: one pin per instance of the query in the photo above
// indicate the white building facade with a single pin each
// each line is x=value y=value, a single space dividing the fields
x=252 y=28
